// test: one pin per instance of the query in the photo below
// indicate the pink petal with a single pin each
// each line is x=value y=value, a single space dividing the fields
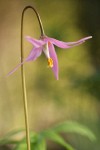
x=67 y=44
x=34 y=54
x=12 y=71
x=79 y=41
x=55 y=60
x=36 y=43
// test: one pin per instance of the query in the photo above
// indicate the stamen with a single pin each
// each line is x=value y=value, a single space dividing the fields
x=50 y=62
x=49 y=43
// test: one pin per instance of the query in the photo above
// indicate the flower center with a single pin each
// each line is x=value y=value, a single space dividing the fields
x=50 y=62
x=49 y=44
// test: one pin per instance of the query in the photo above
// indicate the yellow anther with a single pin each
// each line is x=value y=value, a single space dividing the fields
x=50 y=62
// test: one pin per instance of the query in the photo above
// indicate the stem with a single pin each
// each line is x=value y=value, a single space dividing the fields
x=23 y=73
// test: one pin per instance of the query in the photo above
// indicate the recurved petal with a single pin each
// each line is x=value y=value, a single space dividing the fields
x=79 y=41
x=35 y=42
x=55 y=60
x=34 y=54
x=67 y=44
x=12 y=71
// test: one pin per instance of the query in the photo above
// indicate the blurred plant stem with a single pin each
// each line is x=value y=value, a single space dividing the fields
x=23 y=74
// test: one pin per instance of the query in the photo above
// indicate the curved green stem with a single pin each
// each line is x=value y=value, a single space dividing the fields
x=23 y=74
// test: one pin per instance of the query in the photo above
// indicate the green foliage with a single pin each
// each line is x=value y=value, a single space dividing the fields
x=38 y=140
x=39 y=144
x=8 y=138
x=74 y=127
x=50 y=134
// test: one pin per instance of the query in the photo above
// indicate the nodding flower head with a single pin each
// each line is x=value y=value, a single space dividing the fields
x=46 y=45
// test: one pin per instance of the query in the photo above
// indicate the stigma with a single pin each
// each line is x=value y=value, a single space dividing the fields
x=50 y=62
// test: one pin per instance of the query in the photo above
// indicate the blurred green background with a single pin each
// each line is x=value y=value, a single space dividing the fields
x=76 y=96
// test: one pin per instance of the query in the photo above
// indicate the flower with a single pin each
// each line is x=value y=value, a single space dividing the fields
x=46 y=45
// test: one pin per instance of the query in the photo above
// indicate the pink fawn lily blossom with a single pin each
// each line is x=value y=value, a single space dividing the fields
x=46 y=45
